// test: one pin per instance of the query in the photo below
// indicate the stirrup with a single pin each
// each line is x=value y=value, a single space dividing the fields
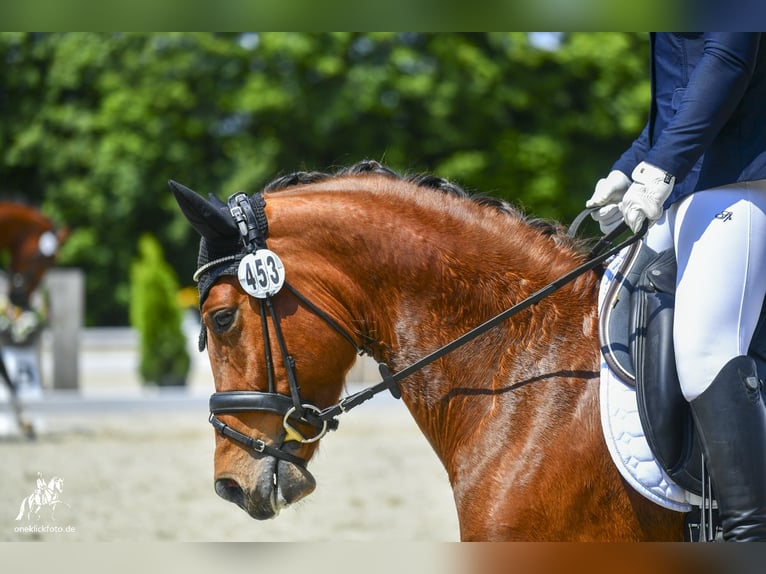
x=708 y=528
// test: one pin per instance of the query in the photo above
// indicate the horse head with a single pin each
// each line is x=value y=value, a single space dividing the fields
x=259 y=348
x=56 y=484
x=33 y=242
x=36 y=254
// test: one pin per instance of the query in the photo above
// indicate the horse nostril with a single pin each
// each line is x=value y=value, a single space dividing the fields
x=230 y=490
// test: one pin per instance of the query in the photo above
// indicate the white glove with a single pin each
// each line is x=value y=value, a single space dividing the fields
x=608 y=193
x=645 y=198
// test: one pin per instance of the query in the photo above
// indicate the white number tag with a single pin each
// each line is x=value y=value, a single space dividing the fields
x=261 y=273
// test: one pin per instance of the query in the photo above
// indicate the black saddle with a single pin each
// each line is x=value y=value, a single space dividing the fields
x=636 y=332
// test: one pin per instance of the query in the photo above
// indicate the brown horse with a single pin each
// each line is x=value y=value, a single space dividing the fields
x=390 y=266
x=31 y=242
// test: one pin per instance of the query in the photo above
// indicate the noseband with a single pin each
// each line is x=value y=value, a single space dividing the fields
x=261 y=275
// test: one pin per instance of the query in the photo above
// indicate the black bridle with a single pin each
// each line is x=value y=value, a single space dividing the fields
x=250 y=217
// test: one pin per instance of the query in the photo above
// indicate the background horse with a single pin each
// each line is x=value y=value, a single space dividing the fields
x=32 y=242
x=401 y=269
x=28 y=243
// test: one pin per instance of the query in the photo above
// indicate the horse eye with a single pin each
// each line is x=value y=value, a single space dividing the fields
x=223 y=319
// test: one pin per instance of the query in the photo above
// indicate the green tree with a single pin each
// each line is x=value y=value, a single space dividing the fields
x=92 y=125
x=156 y=316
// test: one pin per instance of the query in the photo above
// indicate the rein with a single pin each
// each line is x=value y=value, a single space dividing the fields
x=391 y=380
x=250 y=217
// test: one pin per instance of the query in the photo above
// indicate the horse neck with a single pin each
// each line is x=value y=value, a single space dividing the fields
x=412 y=272
x=513 y=415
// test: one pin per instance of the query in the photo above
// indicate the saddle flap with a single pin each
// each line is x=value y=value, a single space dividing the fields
x=664 y=412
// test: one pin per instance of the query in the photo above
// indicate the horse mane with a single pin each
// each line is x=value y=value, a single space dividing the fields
x=546 y=227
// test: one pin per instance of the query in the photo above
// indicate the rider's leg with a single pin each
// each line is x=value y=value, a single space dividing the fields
x=720 y=240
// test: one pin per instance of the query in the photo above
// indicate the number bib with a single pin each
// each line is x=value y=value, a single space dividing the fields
x=261 y=273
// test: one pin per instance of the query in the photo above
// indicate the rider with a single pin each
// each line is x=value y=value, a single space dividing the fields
x=41 y=487
x=698 y=175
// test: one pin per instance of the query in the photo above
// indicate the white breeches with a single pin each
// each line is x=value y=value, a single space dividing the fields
x=719 y=236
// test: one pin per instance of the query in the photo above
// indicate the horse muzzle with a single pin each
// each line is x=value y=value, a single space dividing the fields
x=275 y=485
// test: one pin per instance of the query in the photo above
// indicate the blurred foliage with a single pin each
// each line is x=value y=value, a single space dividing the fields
x=156 y=316
x=424 y=15
x=92 y=125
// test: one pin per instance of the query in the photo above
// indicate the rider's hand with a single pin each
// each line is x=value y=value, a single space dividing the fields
x=646 y=196
x=608 y=193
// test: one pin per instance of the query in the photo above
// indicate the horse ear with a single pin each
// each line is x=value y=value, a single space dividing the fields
x=211 y=219
x=215 y=201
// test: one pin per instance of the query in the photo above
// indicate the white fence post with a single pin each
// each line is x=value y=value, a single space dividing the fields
x=66 y=293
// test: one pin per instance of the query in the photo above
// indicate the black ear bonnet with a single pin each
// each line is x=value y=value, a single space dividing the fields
x=221 y=247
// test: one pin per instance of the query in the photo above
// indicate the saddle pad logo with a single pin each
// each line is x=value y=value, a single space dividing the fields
x=724 y=216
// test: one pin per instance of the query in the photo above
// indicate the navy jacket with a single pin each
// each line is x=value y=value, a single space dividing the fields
x=707 y=120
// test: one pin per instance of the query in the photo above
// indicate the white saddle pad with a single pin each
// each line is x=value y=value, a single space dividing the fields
x=624 y=434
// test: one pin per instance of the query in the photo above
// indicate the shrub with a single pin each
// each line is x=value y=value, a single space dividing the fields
x=156 y=316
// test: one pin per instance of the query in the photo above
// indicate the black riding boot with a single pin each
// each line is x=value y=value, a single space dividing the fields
x=730 y=417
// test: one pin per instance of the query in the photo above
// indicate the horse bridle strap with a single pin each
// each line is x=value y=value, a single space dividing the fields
x=254 y=444
x=230 y=402
x=250 y=217
x=249 y=401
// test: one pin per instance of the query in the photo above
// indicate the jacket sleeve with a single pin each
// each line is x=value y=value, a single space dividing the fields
x=634 y=154
x=715 y=87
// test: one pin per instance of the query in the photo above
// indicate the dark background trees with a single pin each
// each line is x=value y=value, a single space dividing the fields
x=93 y=125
